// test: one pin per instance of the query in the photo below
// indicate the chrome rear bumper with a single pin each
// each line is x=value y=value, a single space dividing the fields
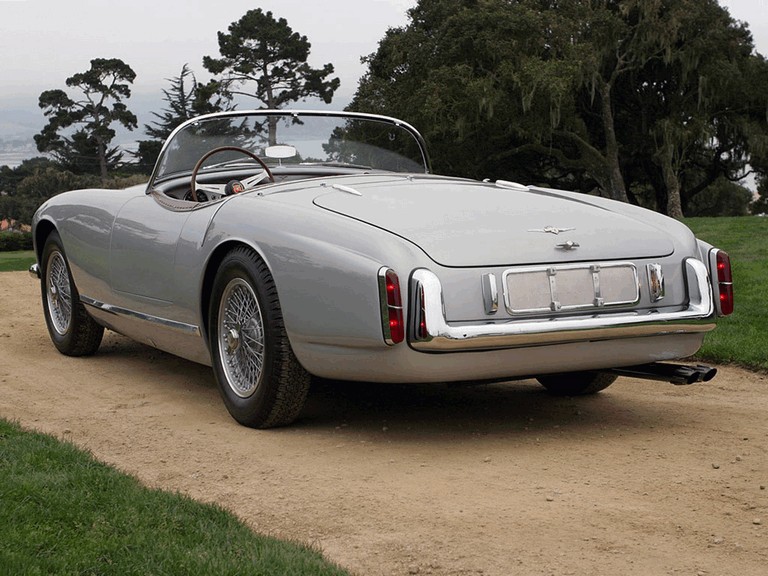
x=34 y=271
x=431 y=332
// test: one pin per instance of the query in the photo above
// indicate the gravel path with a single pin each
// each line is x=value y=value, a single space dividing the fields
x=643 y=479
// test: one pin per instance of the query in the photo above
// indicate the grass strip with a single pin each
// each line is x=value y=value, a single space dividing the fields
x=743 y=337
x=62 y=512
x=15 y=261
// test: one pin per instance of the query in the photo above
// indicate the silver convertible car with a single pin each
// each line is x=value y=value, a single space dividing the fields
x=276 y=246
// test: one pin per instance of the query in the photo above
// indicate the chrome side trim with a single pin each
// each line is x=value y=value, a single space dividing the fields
x=164 y=322
x=440 y=336
x=34 y=271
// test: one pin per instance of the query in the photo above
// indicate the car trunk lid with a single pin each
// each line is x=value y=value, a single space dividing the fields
x=462 y=223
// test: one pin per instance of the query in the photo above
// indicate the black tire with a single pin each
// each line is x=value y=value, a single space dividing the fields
x=71 y=328
x=577 y=383
x=261 y=381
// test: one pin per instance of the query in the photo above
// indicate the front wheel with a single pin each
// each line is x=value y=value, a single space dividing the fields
x=577 y=383
x=261 y=381
x=72 y=330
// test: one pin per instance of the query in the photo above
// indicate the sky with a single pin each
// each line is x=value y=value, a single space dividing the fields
x=754 y=13
x=43 y=42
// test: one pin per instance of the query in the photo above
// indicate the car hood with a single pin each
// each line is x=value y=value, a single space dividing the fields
x=462 y=223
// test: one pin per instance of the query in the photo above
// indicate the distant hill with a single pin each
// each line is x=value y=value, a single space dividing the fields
x=20 y=121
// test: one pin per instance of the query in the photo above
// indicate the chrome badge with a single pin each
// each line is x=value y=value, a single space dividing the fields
x=551 y=230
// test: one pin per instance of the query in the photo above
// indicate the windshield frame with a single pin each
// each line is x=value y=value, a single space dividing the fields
x=426 y=162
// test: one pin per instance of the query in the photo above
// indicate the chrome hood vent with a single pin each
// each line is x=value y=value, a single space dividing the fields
x=462 y=223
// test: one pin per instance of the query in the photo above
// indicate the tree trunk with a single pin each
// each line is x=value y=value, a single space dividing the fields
x=618 y=190
x=672 y=183
x=272 y=121
x=102 y=150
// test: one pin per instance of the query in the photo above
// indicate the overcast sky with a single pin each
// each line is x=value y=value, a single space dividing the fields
x=42 y=42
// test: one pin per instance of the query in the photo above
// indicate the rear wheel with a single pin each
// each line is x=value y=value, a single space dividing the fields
x=72 y=330
x=260 y=380
x=576 y=383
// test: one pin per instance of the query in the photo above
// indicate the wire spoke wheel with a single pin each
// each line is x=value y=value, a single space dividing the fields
x=71 y=328
x=59 y=293
x=260 y=380
x=241 y=333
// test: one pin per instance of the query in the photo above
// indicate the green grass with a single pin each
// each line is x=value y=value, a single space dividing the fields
x=62 y=513
x=743 y=337
x=14 y=261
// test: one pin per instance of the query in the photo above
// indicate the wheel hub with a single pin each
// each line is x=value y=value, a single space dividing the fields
x=58 y=293
x=233 y=340
x=241 y=340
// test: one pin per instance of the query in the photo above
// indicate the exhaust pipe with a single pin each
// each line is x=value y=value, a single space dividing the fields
x=678 y=374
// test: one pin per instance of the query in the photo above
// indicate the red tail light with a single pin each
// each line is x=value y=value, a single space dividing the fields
x=724 y=282
x=391 y=306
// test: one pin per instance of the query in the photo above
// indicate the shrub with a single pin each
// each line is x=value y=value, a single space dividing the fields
x=721 y=198
x=15 y=241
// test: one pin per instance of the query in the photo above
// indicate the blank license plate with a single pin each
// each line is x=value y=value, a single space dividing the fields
x=570 y=287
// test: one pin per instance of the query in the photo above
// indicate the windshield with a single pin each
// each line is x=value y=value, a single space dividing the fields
x=291 y=138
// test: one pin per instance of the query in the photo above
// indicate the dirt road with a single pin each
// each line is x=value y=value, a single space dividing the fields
x=644 y=479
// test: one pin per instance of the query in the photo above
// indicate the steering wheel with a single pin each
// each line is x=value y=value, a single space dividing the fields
x=220 y=189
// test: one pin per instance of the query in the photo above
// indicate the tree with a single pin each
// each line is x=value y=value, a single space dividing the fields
x=265 y=59
x=14 y=206
x=24 y=188
x=646 y=101
x=103 y=87
x=721 y=198
x=697 y=115
x=185 y=98
x=760 y=203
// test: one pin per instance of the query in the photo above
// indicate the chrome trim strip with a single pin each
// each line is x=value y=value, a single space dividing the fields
x=511 y=185
x=164 y=322
x=599 y=301
x=445 y=337
x=655 y=282
x=490 y=293
x=34 y=271
x=347 y=189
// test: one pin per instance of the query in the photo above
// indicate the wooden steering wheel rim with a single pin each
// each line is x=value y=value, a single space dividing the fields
x=210 y=153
